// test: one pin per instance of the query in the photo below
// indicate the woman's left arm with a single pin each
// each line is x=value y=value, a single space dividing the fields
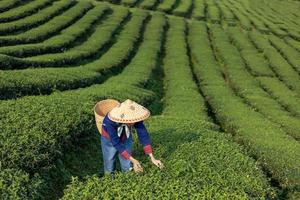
x=145 y=141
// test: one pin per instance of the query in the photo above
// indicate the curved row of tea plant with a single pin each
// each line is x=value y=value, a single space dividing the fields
x=8 y=4
x=289 y=99
x=49 y=28
x=230 y=12
x=259 y=67
x=36 y=19
x=23 y=11
x=273 y=149
x=279 y=65
x=61 y=41
x=178 y=76
x=293 y=43
x=89 y=48
x=148 y=4
x=290 y=54
x=184 y=8
x=43 y=81
x=255 y=61
x=248 y=88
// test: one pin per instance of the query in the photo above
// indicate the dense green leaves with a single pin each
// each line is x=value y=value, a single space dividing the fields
x=225 y=93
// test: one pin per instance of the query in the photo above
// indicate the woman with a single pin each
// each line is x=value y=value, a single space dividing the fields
x=116 y=137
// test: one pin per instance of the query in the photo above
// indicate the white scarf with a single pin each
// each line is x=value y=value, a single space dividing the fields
x=127 y=130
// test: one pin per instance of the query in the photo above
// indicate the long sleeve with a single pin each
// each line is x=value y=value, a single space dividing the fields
x=143 y=136
x=111 y=129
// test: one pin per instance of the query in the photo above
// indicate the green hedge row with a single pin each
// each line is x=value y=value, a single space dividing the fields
x=257 y=22
x=8 y=4
x=259 y=67
x=50 y=28
x=198 y=10
x=34 y=20
x=288 y=98
x=95 y=43
x=182 y=92
x=290 y=54
x=280 y=66
x=226 y=14
x=35 y=81
x=273 y=149
x=254 y=60
x=213 y=12
x=144 y=62
x=166 y=6
x=148 y=4
x=245 y=23
x=61 y=41
x=270 y=26
x=293 y=43
x=248 y=88
x=24 y=10
x=183 y=8
x=130 y=3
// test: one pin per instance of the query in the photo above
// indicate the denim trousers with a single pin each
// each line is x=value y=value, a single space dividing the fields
x=110 y=153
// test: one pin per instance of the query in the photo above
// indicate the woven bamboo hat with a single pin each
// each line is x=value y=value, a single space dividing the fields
x=128 y=112
x=101 y=109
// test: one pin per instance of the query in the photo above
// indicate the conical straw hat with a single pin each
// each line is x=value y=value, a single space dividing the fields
x=101 y=109
x=128 y=112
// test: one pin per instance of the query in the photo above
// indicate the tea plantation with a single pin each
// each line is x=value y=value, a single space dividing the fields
x=221 y=78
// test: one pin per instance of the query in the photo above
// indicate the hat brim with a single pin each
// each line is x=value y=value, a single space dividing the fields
x=133 y=120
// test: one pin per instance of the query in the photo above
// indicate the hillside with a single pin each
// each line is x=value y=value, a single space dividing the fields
x=221 y=79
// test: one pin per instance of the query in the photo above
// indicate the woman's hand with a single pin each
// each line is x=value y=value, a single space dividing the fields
x=137 y=167
x=156 y=162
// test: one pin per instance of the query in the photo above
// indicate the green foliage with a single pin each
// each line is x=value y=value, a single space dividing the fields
x=36 y=19
x=23 y=11
x=35 y=81
x=213 y=12
x=261 y=137
x=8 y=4
x=248 y=88
x=89 y=48
x=166 y=5
x=199 y=10
x=211 y=174
x=180 y=85
x=63 y=40
x=281 y=67
x=197 y=79
x=17 y=185
x=129 y=2
x=290 y=54
x=57 y=119
x=288 y=98
x=50 y=28
x=184 y=8
x=148 y=4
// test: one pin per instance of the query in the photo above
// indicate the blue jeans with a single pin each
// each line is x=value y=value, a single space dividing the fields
x=110 y=153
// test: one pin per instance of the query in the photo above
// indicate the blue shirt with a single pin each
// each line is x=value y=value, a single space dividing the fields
x=111 y=128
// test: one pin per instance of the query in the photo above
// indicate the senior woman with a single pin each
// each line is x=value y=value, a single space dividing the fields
x=116 y=136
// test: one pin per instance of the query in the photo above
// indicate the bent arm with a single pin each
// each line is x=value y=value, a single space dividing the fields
x=143 y=136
